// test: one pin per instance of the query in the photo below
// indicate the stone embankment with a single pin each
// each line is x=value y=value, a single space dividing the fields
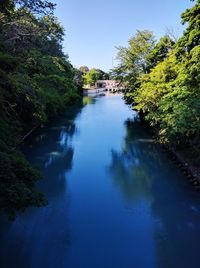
x=191 y=172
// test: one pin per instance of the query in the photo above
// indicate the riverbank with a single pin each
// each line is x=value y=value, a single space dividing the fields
x=112 y=195
x=18 y=176
x=180 y=158
x=191 y=171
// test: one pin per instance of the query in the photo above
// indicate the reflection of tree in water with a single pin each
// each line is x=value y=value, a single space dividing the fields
x=51 y=150
x=88 y=100
x=131 y=168
x=141 y=171
x=40 y=237
x=177 y=209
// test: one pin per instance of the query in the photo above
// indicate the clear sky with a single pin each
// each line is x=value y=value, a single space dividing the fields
x=94 y=28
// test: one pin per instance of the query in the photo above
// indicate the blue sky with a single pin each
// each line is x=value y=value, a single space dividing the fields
x=94 y=28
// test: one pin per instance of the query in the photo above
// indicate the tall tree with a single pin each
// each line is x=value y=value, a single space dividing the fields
x=134 y=61
x=169 y=96
x=36 y=82
x=92 y=76
x=160 y=52
x=36 y=6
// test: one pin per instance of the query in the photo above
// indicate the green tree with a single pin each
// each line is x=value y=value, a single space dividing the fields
x=191 y=36
x=36 y=6
x=92 y=76
x=160 y=51
x=36 y=82
x=169 y=95
x=134 y=61
x=164 y=83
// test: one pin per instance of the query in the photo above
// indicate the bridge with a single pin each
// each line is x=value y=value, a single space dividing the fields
x=103 y=86
x=110 y=85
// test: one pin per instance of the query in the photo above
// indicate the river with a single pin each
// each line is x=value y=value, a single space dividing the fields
x=115 y=199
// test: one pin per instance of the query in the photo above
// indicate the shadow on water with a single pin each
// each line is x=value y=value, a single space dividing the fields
x=40 y=236
x=123 y=207
x=141 y=172
x=131 y=167
x=88 y=100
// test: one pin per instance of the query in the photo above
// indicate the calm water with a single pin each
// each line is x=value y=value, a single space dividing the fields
x=115 y=200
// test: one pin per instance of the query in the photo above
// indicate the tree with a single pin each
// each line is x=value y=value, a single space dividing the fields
x=160 y=52
x=134 y=61
x=92 y=76
x=164 y=82
x=84 y=69
x=169 y=95
x=191 y=36
x=37 y=81
x=35 y=6
x=172 y=34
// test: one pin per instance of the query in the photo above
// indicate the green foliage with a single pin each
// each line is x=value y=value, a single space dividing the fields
x=37 y=6
x=153 y=87
x=191 y=36
x=167 y=90
x=160 y=52
x=134 y=61
x=36 y=82
x=18 y=178
x=90 y=77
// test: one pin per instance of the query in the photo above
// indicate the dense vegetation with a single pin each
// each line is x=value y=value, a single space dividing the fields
x=36 y=82
x=91 y=76
x=163 y=81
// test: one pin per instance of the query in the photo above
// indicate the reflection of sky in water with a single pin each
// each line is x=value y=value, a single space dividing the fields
x=63 y=138
x=115 y=201
x=52 y=158
x=63 y=144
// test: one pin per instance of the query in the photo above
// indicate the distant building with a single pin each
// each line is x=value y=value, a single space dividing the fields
x=109 y=85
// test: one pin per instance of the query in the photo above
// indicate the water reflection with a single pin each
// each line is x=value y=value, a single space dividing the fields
x=177 y=232
x=142 y=173
x=115 y=200
x=131 y=167
x=40 y=237
x=88 y=100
